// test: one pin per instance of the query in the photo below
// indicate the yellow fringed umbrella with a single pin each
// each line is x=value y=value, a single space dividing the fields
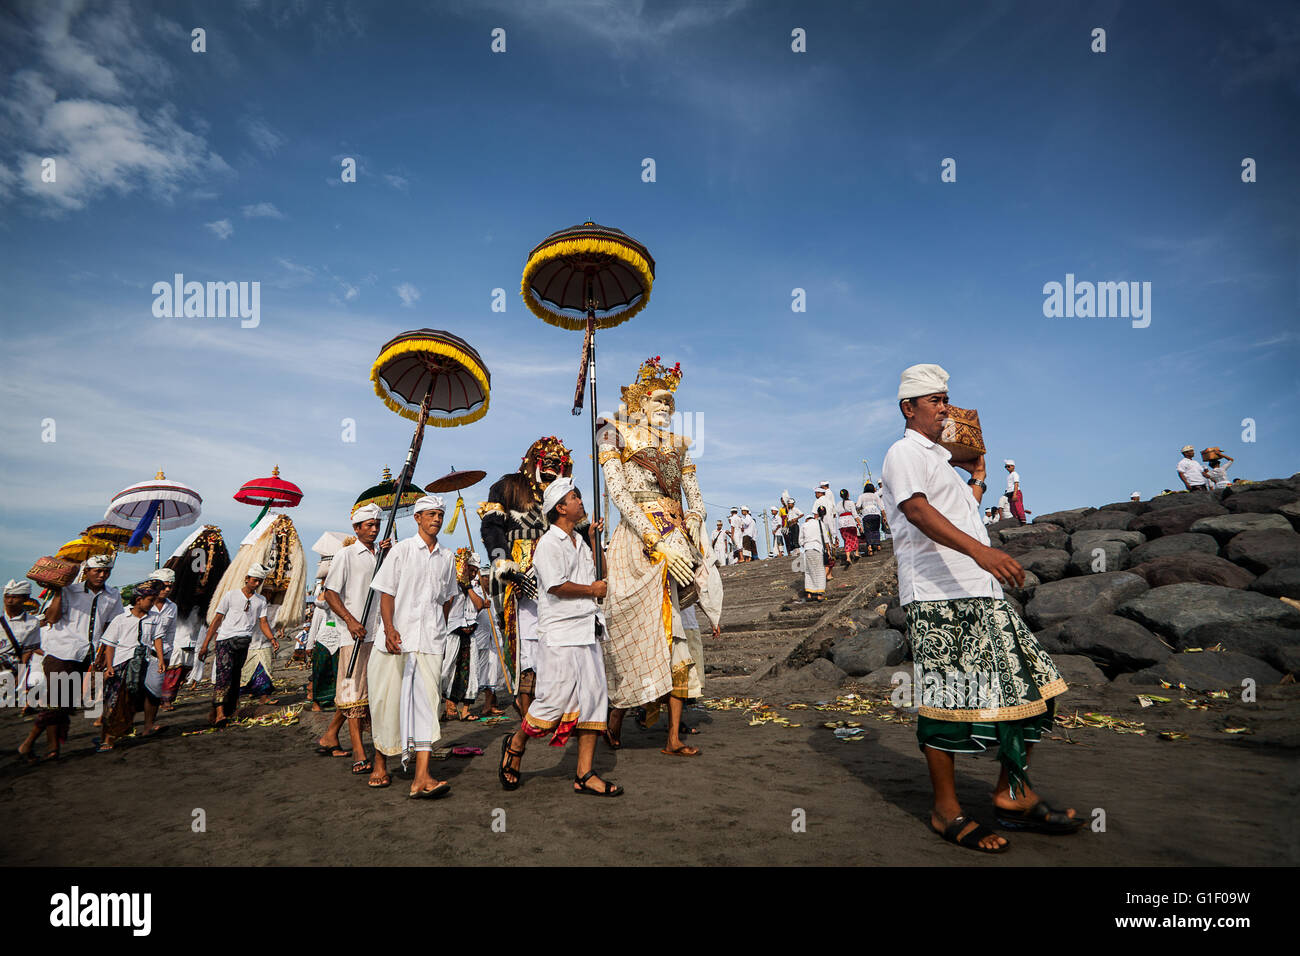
x=588 y=277
x=81 y=549
x=417 y=374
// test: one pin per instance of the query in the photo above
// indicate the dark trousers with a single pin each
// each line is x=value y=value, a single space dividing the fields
x=231 y=654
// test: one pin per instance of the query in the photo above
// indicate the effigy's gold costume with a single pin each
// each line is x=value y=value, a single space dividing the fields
x=647 y=471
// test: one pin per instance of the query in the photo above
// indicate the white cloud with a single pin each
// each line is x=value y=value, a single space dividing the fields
x=408 y=293
x=73 y=107
x=265 y=137
x=397 y=182
x=222 y=228
x=350 y=292
x=261 y=210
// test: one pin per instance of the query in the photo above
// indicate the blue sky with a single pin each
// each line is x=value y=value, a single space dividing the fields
x=775 y=170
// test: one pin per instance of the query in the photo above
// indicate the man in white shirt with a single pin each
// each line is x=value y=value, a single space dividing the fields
x=982 y=678
x=74 y=621
x=1014 y=498
x=125 y=657
x=238 y=616
x=571 y=693
x=347 y=586
x=459 y=662
x=735 y=524
x=1190 y=472
x=776 y=533
x=748 y=532
x=791 y=517
x=416 y=585
x=722 y=544
x=824 y=508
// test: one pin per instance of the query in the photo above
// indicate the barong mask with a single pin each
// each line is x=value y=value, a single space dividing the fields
x=546 y=459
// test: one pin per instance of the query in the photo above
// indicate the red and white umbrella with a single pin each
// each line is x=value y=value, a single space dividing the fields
x=160 y=502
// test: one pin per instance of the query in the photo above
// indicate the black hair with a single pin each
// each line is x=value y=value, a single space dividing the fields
x=868 y=487
x=844 y=492
x=553 y=515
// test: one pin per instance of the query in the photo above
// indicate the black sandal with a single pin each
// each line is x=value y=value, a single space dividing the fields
x=504 y=768
x=1040 y=818
x=362 y=766
x=970 y=841
x=611 y=789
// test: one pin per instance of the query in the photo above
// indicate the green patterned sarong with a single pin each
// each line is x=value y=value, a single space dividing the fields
x=981 y=678
x=324 y=675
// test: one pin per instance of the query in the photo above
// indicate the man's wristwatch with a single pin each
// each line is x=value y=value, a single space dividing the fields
x=975 y=482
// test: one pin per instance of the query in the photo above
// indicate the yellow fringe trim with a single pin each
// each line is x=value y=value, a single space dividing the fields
x=569 y=247
x=450 y=351
x=487 y=507
x=666 y=601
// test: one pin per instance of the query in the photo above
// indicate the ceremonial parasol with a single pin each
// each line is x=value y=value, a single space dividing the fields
x=79 y=549
x=588 y=277
x=119 y=538
x=382 y=495
x=165 y=504
x=417 y=374
x=273 y=492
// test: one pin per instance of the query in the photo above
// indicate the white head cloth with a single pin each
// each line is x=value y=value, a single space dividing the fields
x=366 y=513
x=257 y=571
x=165 y=575
x=918 y=380
x=429 y=503
x=1009 y=461
x=14 y=588
x=1188 y=448
x=101 y=561
x=475 y=559
x=555 y=493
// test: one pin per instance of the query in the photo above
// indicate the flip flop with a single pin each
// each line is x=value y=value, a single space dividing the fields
x=682 y=751
x=362 y=766
x=467 y=751
x=971 y=841
x=441 y=790
x=1040 y=818
x=441 y=753
x=388 y=782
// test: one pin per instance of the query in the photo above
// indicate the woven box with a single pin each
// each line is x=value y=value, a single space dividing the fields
x=53 y=572
x=1214 y=451
x=961 y=433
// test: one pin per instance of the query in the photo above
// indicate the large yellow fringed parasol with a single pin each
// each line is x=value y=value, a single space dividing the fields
x=83 y=548
x=434 y=378
x=588 y=277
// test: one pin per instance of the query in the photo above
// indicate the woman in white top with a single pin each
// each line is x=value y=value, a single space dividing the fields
x=1218 y=472
x=847 y=520
x=812 y=555
x=872 y=511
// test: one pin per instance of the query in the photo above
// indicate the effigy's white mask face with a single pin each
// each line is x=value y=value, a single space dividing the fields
x=657 y=407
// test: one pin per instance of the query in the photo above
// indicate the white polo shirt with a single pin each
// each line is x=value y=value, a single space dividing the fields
x=1192 y=470
x=70 y=637
x=564 y=622
x=352 y=570
x=420 y=580
x=463 y=612
x=242 y=615
x=126 y=632
x=1013 y=476
x=164 y=619
x=27 y=632
x=810 y=534
x=928 y=571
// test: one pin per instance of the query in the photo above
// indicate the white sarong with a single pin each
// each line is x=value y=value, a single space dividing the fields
x=404 y=702
x=570 y=692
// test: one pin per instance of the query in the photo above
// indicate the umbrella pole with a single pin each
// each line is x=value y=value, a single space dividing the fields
x=595 y=461
x=157 y=543
x=408 y=469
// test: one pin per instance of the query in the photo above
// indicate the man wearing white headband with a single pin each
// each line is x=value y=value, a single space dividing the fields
x=416 y=585
x=824 y=508
x=735 y=524
x=238 y=614
x=748 y=534
x=74 y=622
x=775 y=533
x=490 y=675
x=1014 y=498
x=948 y=585
x=347 y=584
x=571 y=693
x=1193 y=476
